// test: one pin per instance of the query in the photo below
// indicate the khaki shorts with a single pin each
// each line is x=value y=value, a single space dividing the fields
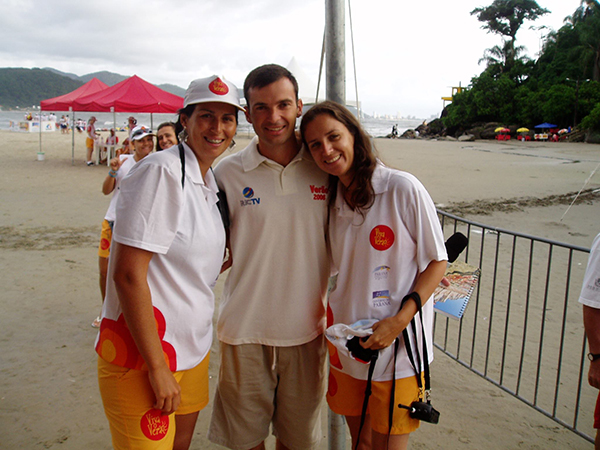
x=105 y=239
x=345 y=396
x=128 y=399
x=260 y=384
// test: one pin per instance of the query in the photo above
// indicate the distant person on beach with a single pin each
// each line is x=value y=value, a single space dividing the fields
x=395 y=130
x=168 y=248
x=166 y=136
x=590 y=298
x=90 y=140
x=131 y=124
x=112 y=140
x=64 y=125
x=387 y=217
x=272 y=311
x=119 y=167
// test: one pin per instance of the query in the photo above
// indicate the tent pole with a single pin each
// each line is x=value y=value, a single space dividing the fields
x=151 y=122
x=72 y=135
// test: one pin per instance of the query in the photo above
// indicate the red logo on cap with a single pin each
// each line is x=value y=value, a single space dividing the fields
x=218 y=87
x=382 y=237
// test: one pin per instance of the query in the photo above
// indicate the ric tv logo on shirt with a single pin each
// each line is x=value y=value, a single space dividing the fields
x=319 y=192
x=382 y=237
x=249 y=199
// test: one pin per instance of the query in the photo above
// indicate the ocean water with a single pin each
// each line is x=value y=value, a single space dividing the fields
x=375 y=127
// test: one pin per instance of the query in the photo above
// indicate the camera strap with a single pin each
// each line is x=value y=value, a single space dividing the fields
x=221 y=203
x=416 y=362
x=363 y=414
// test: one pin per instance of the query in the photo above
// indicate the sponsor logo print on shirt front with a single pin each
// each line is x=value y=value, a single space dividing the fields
x=248 y=194
x=382 y=237
x=319 y=192
x=381 y=299
x=381 y=273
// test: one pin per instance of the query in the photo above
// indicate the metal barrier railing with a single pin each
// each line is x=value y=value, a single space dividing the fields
x=523 y=328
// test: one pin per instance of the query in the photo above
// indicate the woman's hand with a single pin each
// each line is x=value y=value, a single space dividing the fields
x=384 y=333
x=166 y=390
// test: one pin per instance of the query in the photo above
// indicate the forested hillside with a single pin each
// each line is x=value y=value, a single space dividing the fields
x=27 y=87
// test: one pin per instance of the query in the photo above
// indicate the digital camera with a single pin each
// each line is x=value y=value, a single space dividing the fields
x=424 y=412
x=359 y=352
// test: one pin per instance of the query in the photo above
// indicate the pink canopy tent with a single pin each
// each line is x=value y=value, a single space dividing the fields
x=65 y=102
x=130 y=95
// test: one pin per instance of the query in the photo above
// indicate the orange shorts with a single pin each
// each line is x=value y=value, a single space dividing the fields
x=345 y=396
x=128 y=399
x=105 y=239
x=89 y=142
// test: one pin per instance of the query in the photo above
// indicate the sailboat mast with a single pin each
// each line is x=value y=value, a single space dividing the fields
x=335 y=51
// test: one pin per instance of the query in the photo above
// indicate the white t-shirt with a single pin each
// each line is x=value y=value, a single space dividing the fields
x=184 y=230
x=590 y=291
x=378 y=258
x=128 y=163
x=275 y=291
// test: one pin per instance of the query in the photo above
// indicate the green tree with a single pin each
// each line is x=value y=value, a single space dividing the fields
x=505 y=17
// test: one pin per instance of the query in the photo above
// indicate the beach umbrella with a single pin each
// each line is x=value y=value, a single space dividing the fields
x=545 y=125
x=563 y=131
x=522 y=130
x=499 y=129
x=506 y=130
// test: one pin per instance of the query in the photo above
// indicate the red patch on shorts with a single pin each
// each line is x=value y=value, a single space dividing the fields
x=333 y=386
x=104 y=244
x=154 y=425
x=382 y=237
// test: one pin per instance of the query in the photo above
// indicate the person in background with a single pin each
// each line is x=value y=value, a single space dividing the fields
x=119 y=167
x=111 y=140
x=166 y=136
x=90 y=140
x=272 y=311
x=387 y=217
x=167 y=251
x=590 y=298
x=131 y=123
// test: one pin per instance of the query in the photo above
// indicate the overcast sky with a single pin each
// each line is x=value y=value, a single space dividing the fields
x=408 y=54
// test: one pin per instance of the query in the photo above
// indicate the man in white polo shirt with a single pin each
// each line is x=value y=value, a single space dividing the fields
x=272 y=312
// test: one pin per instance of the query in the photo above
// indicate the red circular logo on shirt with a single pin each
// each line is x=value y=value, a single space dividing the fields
x=218 y=87
x=154 y=425
x=382 y=237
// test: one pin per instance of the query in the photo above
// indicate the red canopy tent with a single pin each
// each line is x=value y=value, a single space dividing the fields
x=130 y=95
x=64 y=102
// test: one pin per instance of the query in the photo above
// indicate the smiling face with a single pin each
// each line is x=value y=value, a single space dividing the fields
x=210 y=129
x=166 y=137
x=143 y=147
x=332 y=146
x=272 y=110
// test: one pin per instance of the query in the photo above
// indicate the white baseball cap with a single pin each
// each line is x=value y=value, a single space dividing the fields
x=212 y=89
x=141 y=131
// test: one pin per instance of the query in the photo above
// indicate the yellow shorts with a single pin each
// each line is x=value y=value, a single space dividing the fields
x=89 y=142
x=345 y=396
x=128 y=399
x=105 y=239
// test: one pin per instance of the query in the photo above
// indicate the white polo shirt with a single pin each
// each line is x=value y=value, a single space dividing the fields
x=126 y=165
x=184 y=230
x=275 y=291
x=590 y=290
x=378 y=258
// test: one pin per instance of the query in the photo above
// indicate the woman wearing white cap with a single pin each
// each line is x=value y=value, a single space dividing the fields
x=156 y=330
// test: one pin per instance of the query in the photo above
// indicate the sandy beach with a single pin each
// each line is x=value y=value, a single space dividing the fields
x=49 y=230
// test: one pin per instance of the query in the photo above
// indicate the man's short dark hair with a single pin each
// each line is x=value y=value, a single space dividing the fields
x=265 y=75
